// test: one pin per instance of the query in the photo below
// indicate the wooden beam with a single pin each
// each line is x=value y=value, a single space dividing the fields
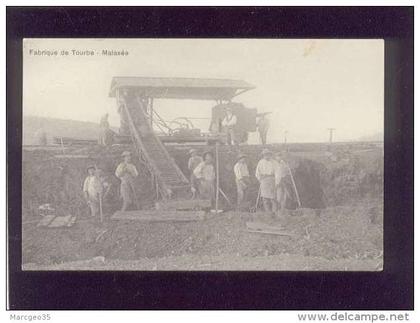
x=260 y=226
x=182 y=204
x=263 y=228
x=159 y=216
x=279 y=233
x=72 y=156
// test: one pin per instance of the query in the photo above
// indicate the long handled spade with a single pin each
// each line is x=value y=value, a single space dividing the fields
x=294 y=186
x=100 y=207
x=100 y=201
x=257 y=202
x=217 y=178
x=225 y=196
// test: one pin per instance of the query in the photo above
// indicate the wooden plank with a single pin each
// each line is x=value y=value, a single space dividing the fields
x=72 y=156
x=62 y=221
x=182 y=204
x=46 y=220
x=159 y=216
x=280 y=233
x=74 y=141
x=161 y=213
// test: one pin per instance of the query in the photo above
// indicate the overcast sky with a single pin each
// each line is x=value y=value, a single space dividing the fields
x=309 y=85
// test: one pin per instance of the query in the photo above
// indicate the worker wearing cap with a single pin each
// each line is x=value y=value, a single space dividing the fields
x=205 y=174
x=242 y=179
x=281 y=173
x=229 y=123
x=92 y=190
x=193 y=162
x=127 y=172
x=265 y=173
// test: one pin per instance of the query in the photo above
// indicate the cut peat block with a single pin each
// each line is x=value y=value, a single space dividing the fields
x=182 y=204
x=159 y=216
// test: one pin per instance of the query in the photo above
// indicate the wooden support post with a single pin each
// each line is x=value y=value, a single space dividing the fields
x=217 y=177
x=157 y=187
x=151 y=112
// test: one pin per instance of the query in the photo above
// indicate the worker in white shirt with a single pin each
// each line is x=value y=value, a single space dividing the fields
x=281 y=173
x=205 y=174
x=92 y=190
x=265 y=173
x=243 y=180
x=127 y=173
x=229 y=124
x=193 y=162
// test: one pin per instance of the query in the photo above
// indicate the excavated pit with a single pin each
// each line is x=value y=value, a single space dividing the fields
x=349 y=227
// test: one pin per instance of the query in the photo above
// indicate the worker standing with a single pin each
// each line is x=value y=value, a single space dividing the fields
x=229 y=123
x=243 y=180
x=265 y=173
x=124 y=123
x=205 y=175
x=92 y=190
x=104 y=129
x=193 y=162
x=263 y=124
x=127 y=172
x=282 y=188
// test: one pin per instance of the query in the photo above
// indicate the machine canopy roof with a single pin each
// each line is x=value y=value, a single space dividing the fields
x=181 y=88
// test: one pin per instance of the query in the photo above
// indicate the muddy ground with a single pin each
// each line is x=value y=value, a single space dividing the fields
x=347 y=235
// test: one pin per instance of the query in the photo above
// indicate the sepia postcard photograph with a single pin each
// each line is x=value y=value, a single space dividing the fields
x=202 y=154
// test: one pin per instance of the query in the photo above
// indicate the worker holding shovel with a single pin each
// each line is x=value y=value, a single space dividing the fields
x=285 y=185
x=243 y=181
x=265 y=174
x=92 y=190
x=280 y=176
x=127 y=172
x=193 y=162
x=206 y=175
